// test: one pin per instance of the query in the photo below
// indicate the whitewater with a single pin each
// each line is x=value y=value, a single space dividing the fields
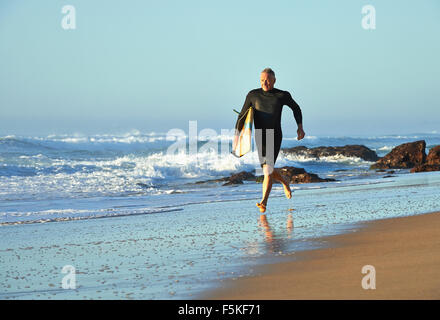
x=71 y=177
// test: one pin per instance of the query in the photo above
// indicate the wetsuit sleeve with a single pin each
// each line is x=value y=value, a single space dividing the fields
x=295 y=108
x=241 y=117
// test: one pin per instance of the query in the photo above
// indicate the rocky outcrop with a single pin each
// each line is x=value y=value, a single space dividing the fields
x=358 y=151
x=299 y=175
x=426 y=167
x=295 y=175
x=236 y=178
x=404 y=156
x=432 y=161
x=433 y=157
x=239 y=177
x=411 y=156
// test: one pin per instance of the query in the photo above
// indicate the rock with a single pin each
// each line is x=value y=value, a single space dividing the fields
x=426 y=167
x=432 y=162
x=295 y=175
x=404 y=156
x=231 y=182
x=236 y=178
x=358 y=151
x=213 y=180
x=239 y=177
x=298 y=175
x=291 y=171
x=244 y=175
x=308 y=178
x=433 y=157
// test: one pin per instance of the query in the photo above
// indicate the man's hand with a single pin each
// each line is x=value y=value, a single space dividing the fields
x=300 y=132
x=235 y=141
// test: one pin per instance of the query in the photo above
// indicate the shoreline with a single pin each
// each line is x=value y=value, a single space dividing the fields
x=404 y=251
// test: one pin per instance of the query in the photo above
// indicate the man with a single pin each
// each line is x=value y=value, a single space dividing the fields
x=268 y=103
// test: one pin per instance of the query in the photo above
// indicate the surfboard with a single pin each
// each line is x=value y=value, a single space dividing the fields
x=243 y=140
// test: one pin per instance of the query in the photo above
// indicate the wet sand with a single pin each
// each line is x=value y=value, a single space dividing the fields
x=405 y=253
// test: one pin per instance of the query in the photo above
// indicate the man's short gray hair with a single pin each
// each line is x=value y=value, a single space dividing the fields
x=269 y=71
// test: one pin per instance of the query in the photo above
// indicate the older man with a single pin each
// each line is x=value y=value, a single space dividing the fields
x=268 y=103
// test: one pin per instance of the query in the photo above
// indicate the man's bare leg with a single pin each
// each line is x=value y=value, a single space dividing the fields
x=277 y=176
x=267 y=187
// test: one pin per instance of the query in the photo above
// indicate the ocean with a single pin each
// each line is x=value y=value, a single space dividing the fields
x=127 y=212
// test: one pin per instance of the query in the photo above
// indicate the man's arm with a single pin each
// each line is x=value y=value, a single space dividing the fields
x=300 y=132
x=241 y=118
x=296 y=113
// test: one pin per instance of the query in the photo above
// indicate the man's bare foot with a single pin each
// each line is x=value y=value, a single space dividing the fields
x=287 y=191
x=262 y=207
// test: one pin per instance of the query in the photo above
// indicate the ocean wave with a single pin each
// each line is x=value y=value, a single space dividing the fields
x=209 y=161
x=122 y=175
x=330 y=159
x=86 y=217
x=131 y=138
x=52 y=167
x=386 y=148
x=305 y=138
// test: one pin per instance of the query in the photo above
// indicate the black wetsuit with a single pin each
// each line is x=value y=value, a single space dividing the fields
x=268 y=106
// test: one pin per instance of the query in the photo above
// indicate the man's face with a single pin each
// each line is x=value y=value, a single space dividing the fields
x=267 y=81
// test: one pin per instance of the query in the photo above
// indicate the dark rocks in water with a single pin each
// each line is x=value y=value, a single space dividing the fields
x=297 y=175
x=286 y=172
x=213 y=180
x=358 y=151
x=236 y=178
x=291 y=171
x=389 y=173
x=432 y=161
x=433 y=157
x=426 y=167
x=410 y=156
x=239 y=177
x=404 y=156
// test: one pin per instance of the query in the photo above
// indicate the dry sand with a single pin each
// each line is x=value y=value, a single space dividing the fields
x=405 y=253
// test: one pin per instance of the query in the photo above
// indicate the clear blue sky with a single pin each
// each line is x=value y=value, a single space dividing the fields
x=155 y=65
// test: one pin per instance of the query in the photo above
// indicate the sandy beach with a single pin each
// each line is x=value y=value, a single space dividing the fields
x=404 y=251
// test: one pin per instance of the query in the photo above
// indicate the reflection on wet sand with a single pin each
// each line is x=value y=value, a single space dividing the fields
x=289 y=225
x=275 y=243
